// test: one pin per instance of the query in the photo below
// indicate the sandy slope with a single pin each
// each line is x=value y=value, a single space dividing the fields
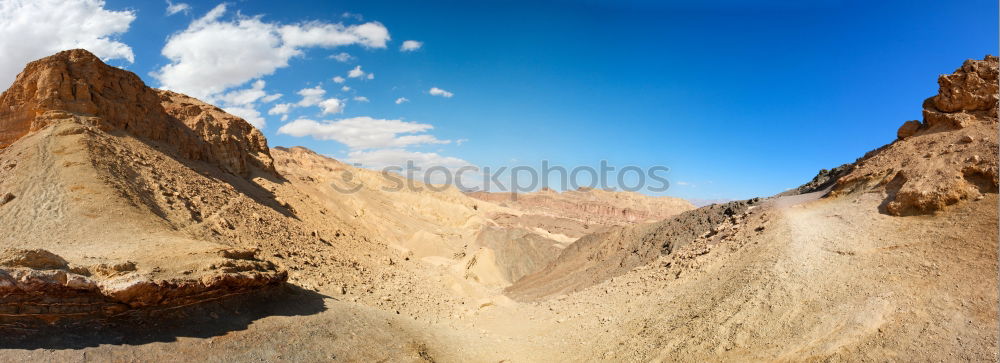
x=822 y=280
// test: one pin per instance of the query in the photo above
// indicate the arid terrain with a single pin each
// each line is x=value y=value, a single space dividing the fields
x=145 y=225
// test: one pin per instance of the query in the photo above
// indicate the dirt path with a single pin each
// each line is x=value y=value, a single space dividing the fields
x=823 y=279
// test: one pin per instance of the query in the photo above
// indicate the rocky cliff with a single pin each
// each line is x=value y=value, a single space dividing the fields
x=75 y=83
x=948 y=158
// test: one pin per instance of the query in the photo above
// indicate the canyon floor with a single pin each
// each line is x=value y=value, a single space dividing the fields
x=145 y=225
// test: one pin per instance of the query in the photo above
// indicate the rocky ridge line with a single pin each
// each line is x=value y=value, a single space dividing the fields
x=75 y=83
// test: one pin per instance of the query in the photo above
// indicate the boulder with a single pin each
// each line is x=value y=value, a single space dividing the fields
x=908 y=129
x=36 y=259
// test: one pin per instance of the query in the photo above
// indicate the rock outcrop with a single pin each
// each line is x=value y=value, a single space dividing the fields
x=232 y=142
x=969 y=95
x=824 y=179
x=950 y=157
x=75 y=83
x=39 y=285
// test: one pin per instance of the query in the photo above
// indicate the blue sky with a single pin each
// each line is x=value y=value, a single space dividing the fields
x=738 y=98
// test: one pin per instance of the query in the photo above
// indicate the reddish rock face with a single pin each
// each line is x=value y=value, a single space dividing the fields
x=75 y=83
x=233 y=143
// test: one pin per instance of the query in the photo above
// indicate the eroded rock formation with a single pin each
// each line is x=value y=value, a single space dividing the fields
x=950 y=157
x=38 y=284
x=76 y=83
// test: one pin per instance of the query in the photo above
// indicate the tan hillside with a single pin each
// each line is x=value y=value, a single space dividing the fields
x=586 y=208
x=599 y=256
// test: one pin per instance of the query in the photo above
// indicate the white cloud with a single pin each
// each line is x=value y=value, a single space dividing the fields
x=342 y=57
x=32 y=29
x=398 y=157
x=244 y=96
x=249 y=114
x=371 y=76
x=361 y=99
x=280 y=109
x=271 y=97
x=319 y=34
x=402 y=158
x=411 y=45
x=176 y=8
x=360 y=133
x=284 y=117
x=339 y=79
x=311 y=96
x=332 y=105
x=345 y=88
x=214 y=54
x=356 y=72
x=440 y=92
x=402 y=100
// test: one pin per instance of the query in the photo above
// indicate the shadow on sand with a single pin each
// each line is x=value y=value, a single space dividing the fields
x=203 y=320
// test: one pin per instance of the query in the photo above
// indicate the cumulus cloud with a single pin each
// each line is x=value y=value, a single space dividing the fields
x=440 y=92
x=339 y=79
x=345 y=88
x=280 y=109
x=398 y=157
x=371 y=76
x=311 y=96
x=422 y=161
x=360 y=98
x=332 y=105
x=402 y=100
x=356 y=72
x=244 y=96
x=411 y=45
x=214 y=54
x=271 y=98
x=247 y=113
x=32 y=29
x=177 y=8
x=360 y=133
x=243 y=102
x=319 y=34
x=342 y=57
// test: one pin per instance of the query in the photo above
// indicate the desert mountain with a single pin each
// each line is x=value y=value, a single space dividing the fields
x=132 y=199
x=142 y=224
x=151 y=199
x=489 y=239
